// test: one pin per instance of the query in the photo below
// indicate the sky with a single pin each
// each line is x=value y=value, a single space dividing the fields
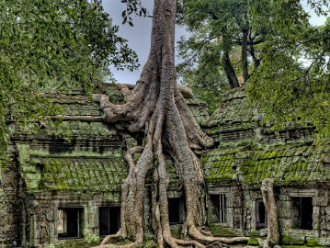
x=139 y=36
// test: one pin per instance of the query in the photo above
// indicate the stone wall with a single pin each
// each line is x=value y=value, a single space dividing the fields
x=47 y=172
x=247 y=152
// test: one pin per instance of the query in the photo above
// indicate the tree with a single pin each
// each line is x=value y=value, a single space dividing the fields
x=226 y=28
x=224 y=41
x=273 y=236
x=53 y=46
x=288 y=69
x=156 y=108
x=292 y=82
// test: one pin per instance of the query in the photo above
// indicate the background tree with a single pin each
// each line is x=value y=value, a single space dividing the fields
x=224 y=40
x=53 y=45
x=286 y=61
x=292 y=82
x=206 y=80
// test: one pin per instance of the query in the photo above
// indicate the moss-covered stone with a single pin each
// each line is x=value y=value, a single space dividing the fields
x=150 y=244
x=176 y=231
x=74 y=243
x=285 y=239
x=253 y=242
x=223 y=165
x=67 y=173
x=311 y=242
x=299 y=246
x=221 y=230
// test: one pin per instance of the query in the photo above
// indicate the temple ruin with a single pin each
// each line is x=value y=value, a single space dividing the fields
x=56 y=192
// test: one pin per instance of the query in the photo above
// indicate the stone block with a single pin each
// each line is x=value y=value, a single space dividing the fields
x=263 y=232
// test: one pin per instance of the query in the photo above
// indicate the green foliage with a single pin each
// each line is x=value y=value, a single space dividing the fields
x=206 y=86
x=292 y=81
x=132 y=6
x=287 y=66
x=53 y=45
x=213 y=53
x=253 y=241
x=205 y=79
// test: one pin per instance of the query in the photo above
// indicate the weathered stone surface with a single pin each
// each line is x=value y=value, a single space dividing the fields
x=47 y=173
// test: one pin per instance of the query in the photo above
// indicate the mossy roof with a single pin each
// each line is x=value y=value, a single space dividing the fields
x=249 y=152
x=288 y=164
x=103 y=174
x=78 y=171
x=234 y=113
x=80 y=104
x=248 y=162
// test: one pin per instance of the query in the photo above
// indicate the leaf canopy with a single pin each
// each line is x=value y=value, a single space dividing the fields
x=292 y=75
x=53 y=46
x=292 y=82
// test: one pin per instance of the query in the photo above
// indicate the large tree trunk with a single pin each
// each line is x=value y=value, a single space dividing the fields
x=156 y=107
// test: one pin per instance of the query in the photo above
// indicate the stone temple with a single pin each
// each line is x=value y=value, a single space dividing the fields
x=60 y=193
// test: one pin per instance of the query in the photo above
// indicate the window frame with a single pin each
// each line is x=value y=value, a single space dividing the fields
x=181 y=211
x=221 y=206
x=260 y=225
x=79 y=223
x=298 y=201
x=109 y=221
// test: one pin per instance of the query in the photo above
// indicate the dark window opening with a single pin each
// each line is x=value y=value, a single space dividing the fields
x=218 y=210
x=69 y=222
x=303 y=210
x=109 y=218
x=261 y=214
x=61 y=146
x=175 y=209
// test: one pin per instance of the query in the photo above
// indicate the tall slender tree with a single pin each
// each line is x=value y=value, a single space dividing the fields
x=222 y=49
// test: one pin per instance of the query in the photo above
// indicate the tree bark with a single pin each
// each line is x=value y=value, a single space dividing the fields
x=245 y=64
x=156 y=107
x=229 y=70
x=226 y=63
x=256 y=61
x=273 y=235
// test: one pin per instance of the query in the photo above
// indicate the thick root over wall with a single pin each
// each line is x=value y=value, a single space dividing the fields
x=273 y=235
x=156 y=107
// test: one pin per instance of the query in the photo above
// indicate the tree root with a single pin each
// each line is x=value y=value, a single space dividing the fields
x=273 y=235
x=262 y=243
x=206 y=232
x=189 y=242
x=118 y=235
x=130 y=245
x=196 y=234
x=43 y=120
x=217 y=244
x=156 y=106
